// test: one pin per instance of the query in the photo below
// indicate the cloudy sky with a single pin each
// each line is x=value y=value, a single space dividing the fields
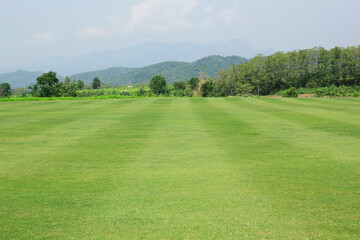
x=37 y=29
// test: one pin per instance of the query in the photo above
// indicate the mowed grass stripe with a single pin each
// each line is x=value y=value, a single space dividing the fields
x=349 y=113
x=248 y=150
x=21 y=123
x=333 y=124
x=333 y=105
x=324 y=143
x=49 y=132
x=287 y=175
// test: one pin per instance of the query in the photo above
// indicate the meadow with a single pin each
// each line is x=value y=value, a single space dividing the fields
x=180 y=168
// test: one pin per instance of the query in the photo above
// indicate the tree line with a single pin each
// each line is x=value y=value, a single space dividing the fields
x=311 y=68
x=265 y=75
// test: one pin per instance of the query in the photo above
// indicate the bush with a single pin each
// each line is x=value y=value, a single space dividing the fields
x=334 y=91
x=179 y=86
x=193 y=83
x=290 y=93
x=158 y=85
x=207 y=88
x=5 y=90
x=96 y=84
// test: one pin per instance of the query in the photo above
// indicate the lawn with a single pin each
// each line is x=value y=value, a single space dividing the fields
x=180 y=168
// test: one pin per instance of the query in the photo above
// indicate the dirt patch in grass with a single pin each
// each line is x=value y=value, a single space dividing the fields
x=306 y=95
x=273 y=96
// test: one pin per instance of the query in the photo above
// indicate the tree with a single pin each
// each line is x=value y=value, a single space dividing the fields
x=158 y=84
x=46 y=85
x=68 y=88
x=207 y=88
x=179 y=85
x=202 y=75
x=194 y=83
x=244 y=89
x=5 y=90
x=80 y=85
x=96 y=83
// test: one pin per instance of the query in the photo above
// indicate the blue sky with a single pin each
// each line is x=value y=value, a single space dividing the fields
x=37 y=29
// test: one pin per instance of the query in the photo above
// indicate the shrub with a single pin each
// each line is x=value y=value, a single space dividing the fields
x=290 y=93
x=193 y=83
x=179 y=86
x=5 y=90
x=207 y=88
x=158 y=85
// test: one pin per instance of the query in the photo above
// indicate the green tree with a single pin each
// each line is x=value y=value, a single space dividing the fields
x=5 y=90
x=207 y=88
x=290 y=93
x=179 y=86
x=80 y=85
x=244 y=89
x=193 y=83
x=46 y=85
x=68 y=88
x=158 y=84
x=96 y=84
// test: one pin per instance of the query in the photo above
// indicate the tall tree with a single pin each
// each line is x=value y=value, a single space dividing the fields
x=96 y=84
x=46 y=85
x=80 y=85
x=158 y=84
x=193 y=83
x=5 y=90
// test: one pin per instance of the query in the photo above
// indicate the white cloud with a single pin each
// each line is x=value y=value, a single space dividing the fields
x=160 y=15
x=209 y=9
x=114 y=20
x=207 y=25
x=38 y=39
x=46 y=37
x=92 y=32
x=174 y=16
x=231 y=16
x=190 y=6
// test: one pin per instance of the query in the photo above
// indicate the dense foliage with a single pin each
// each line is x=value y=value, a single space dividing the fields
x=158 y=84
x=291 y=92
x=5 y=90
x=48 y=85
x=315 y=67
x=96 y=84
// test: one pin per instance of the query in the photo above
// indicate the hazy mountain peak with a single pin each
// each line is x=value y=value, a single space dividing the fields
x=145 y=54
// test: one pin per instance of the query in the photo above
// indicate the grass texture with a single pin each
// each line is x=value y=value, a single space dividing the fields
x=180 y=168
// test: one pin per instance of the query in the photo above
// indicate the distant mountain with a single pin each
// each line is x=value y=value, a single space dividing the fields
x=171 y=70
x=22 y=78
x=144 y=55
x=108 y=75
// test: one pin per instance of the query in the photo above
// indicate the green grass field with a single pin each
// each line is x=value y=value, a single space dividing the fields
x=172 y=168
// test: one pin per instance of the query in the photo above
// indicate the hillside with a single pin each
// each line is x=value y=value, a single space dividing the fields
x=108 y=75
x=19 y=78
x=142 y=55
x=172 y=71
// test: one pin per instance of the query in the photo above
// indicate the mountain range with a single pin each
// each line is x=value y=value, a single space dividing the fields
x=171 y=70
x=142 y=55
